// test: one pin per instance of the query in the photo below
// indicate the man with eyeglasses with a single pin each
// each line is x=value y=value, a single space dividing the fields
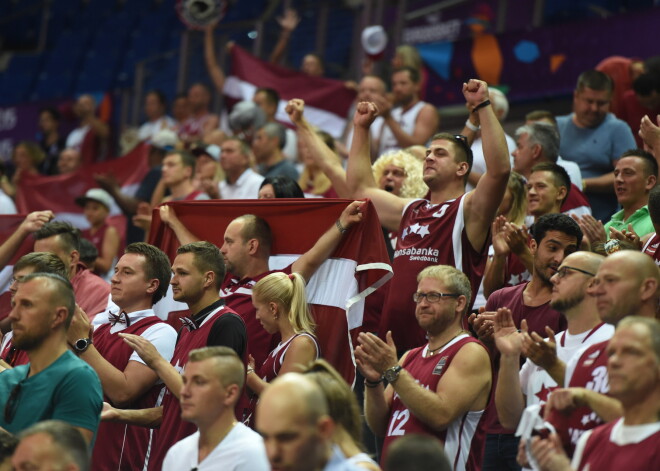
x=544 y=369
x=55 y=384
x=554 y=236
x=439 y=389
x=451 y=227
x=627 y=283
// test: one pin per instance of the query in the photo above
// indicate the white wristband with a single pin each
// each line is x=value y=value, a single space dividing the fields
x=471 y=126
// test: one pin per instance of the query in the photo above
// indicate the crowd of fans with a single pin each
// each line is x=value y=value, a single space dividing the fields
x=519 y=328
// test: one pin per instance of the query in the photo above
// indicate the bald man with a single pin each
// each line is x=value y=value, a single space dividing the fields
x=626 y=284
x=631 y=442
x=292 y=418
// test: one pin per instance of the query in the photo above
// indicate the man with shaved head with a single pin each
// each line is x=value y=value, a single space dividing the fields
x=91 y=136
x=627 y=284
x=292 y=418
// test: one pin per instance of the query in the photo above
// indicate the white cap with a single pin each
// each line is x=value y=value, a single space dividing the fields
x=374 y=40
x=96 y=194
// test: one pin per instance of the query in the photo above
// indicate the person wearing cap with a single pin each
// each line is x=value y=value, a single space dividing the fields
x=155 y=107
x=96 y=205
x=163 y=142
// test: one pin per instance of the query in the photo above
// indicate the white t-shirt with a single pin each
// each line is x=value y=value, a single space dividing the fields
x=245 y=188
x=479 y=161
x=241 y=450
x=536 y=383
x=151 y=128
x=76 y=137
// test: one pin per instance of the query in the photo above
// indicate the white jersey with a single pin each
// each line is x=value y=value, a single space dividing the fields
x=241 y=450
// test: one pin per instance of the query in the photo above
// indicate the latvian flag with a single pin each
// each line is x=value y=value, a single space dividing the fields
x=58 y=193
x=358 y=266
x=327 y=101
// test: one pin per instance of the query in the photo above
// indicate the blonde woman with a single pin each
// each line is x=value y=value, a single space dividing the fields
x=281 y=306
x=344 y=410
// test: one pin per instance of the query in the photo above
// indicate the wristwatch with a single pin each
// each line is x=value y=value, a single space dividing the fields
x=392 y=374
x=82 y=345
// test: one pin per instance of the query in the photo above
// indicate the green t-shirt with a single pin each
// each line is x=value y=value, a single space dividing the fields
x=640 y=220
x=68 y=390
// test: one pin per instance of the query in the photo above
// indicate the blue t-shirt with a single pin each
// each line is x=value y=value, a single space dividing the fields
x=68 y=390
x=595 y=150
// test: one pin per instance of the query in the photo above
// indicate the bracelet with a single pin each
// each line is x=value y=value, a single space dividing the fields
x=470 y=126
x=483 y=104
x=249 y=370
x=584 y=185
x=341 y=228
x=372 y=384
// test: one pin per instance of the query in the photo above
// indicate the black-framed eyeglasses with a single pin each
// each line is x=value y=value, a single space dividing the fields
x=12 y=400
x=563 y=271
x=433 y=297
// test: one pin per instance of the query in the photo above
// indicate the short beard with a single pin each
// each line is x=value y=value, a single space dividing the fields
x=563 y=305
x=27 y=343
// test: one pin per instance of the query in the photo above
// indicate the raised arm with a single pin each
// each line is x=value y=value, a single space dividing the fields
x=32 y=223
x=311 y=260
x=426 y=124
x=169 y=217
x=360 y=177
x=288 y=22
x=212 y=66
x=320 y=153
x=481 y=204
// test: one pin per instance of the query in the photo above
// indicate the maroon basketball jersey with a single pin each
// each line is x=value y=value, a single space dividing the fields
x=575 y=202
x=120 y=446
x=429 y=234
x=465 y=437
x=237 y=294
x=608 y=447
x=591 y=373
x=172 y=428
x=651 y=248
x=14 y=356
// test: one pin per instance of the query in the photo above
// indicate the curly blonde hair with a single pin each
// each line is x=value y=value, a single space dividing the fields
x=413 y=186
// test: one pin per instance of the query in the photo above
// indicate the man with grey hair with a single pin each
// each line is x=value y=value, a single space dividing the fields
x=293 y=419
x=92 y=134
x=51 y=385
x=547 y=118
x=539 y=143
x=241 y=182
x=439 y=389
x=267 y=146
x=51 y=444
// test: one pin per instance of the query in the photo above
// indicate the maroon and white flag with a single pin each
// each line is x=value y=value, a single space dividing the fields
x=358 y=266
x=327 y=101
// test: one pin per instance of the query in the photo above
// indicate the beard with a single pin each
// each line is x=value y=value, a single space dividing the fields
x=27 y=341
x=563 y=305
